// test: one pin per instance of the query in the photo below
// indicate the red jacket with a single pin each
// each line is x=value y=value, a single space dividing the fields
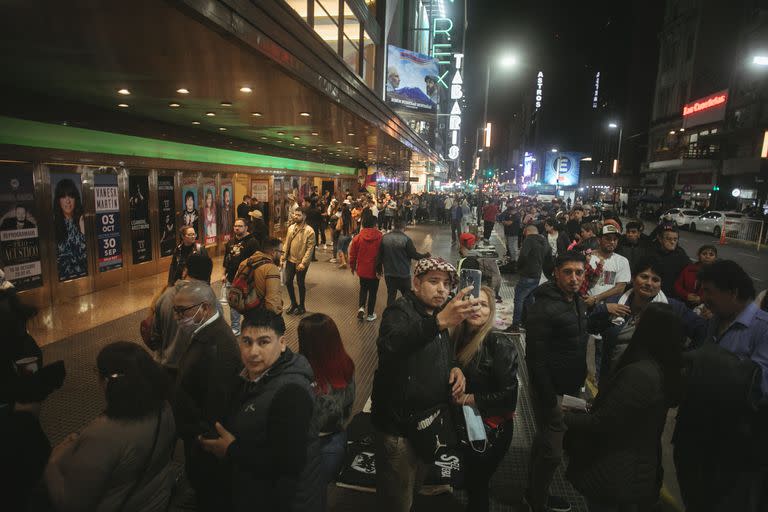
x=686 y=281
x=364 y=251
x=490 y=212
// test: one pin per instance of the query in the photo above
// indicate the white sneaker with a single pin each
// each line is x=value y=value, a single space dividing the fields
x=325 y=247
x=332 y=260
x=361 y=313
x=371 y=318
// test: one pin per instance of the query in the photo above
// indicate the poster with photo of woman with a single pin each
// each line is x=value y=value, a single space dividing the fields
x=69 y=226
x=189 y=214
x=210 y=220
x=227 y=210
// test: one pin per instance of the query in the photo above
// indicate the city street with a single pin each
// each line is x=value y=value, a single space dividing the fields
x=754 y=262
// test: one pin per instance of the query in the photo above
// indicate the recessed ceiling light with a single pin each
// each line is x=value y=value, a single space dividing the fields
x=210 y=114
x=319 y=145
x=182 y=91
x=296 y=137
x=357 y=147
x=314 y=149
x=292 y=144
x=195 y=122
x=221 y=128
x=174 y=105
x=263 y=138
x=304 y=114
x=338 y=142
x=122 y=105
x=315 y=133
x=226 y=103
x=246 y=89
x=124 y=92
x=256 y=114
x=350 y=133
x=281 y=133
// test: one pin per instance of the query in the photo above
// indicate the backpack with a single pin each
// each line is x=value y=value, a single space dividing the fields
x=242 y=295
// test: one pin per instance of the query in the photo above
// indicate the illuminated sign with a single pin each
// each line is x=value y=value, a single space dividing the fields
x=528 y=160
x=597 y=90
x=562 y=168
x=709 y=109
x=715 y=100
x=454 y=123
x=539 y=87
x=764 y=152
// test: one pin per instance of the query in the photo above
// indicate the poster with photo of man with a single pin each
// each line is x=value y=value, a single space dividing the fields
x=227 y=210
x=19 y=241
x=167 y=211
x=141 y=236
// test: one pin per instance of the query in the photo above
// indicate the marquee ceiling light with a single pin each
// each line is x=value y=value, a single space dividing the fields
x=281 y=133
x=256 y=114
x=182 y=91
x=246 y=89
x=122 y=105
x=124 y=92
x=296 y=137
x=195 y=122
x=315 y=134
x=226 y=103
x=174 y=105
x=210 y=114
x=221 y=128
x=304 y=114
x=351 y=134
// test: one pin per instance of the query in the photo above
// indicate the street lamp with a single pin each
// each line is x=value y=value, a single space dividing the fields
x=613 y=126
x=760 y=60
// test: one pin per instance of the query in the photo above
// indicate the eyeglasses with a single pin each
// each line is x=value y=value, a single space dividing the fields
x=179 y=311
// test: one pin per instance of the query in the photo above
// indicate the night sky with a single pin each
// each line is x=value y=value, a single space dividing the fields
x=569 y=41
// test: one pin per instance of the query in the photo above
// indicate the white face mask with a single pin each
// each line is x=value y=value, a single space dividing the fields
x=189 y=322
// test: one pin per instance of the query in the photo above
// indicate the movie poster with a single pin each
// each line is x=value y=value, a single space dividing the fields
x=141 y=235
x=210 y=220
x=19 y=241
x=166 y=209
x=107 y=220
x=190 y=216
x=69 y=226
x=412 y=80
x=227 y=210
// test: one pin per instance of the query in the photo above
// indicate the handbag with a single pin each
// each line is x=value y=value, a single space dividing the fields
x=432 y=432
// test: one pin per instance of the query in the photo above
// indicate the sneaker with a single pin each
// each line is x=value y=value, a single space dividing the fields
x=371 y=317
x=360 y=313
x=236 y=332
x=514 y=328
x=325 y=247
x=343 y=265
x=332 y=260
x=558 y=504
x=300 y=310
x=292 y=309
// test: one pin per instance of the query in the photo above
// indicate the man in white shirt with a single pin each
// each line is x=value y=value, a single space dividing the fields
x=616 y=272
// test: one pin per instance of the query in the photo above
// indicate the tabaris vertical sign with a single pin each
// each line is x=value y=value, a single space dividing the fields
x=457 y=93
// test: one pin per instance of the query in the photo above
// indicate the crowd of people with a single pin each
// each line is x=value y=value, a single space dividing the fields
x=264 y=426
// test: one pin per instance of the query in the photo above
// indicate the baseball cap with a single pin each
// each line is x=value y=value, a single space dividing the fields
x=609 y=229
x=467 y=240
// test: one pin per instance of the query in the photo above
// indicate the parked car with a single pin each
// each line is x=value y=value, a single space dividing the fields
x=712 y=222
x=682 y=217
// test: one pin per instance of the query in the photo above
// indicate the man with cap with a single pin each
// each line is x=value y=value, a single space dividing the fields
x=615 y=268
x=257 y=227
x=417 y=373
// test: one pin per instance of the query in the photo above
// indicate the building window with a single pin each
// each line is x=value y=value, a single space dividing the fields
x=421 y=40
x=369 y=60
x=351 y=52
x=300 y=6
x=326 y=22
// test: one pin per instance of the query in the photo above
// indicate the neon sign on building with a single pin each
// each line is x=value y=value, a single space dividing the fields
x=457 y=93
x=539 y=87
x=715 y=100
x=597 y=90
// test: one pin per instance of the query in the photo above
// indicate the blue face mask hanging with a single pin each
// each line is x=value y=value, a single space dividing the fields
x=475 y=428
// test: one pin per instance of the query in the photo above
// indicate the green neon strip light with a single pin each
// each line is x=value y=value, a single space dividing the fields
x=21 y=132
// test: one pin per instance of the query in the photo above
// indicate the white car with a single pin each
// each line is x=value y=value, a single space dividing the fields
x=680 y=216
x=712 y=222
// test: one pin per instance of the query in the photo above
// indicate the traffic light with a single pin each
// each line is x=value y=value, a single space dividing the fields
x=489 y=173
x=716 y=188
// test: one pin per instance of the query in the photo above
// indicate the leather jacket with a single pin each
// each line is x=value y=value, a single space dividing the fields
x=492 y=376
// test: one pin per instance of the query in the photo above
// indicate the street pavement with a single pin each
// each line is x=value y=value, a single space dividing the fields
x=753 y=261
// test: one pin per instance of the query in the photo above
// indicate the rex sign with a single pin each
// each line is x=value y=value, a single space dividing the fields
x=709 y=109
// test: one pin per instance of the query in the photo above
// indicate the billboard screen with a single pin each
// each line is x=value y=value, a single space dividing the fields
x=563 y=168
x=411 y=80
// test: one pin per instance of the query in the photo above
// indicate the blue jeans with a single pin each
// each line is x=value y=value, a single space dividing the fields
x=332 y=450
x=523 y=289
x=234 y=316
x=512 y=247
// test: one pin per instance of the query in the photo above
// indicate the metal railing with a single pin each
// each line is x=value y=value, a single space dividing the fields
x=745 y=230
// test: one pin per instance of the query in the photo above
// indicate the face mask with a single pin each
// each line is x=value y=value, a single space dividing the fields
x=189 y=322
x=475 y=428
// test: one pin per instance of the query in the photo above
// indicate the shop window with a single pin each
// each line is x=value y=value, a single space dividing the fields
x=326 y=22
x=351 y=43
x=369 y=60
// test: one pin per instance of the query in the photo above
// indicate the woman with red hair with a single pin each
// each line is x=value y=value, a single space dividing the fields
x=334 y=386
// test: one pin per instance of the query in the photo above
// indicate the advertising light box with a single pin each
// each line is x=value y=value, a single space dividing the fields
x=709 y=109
x=563 y=168
x=412 y=80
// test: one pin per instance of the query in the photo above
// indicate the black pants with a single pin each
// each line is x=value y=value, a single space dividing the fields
x=546 y=452
x=487 y=229
x=455 y=229
x=387 y=224
x=480 y=467
x=301 y=276
x=368 y=290
x=323 y=226
x=395 y=284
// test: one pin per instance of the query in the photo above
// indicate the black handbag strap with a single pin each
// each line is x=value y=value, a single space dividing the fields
x=146 y=465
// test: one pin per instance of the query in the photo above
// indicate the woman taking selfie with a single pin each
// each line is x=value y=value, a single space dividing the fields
x=489 y=362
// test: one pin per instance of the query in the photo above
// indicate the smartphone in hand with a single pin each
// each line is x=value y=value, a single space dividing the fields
x=471 y=277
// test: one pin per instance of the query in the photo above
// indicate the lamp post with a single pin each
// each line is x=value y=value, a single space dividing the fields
x=616 y=165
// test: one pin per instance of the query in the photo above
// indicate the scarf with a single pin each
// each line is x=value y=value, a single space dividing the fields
x=660 y=297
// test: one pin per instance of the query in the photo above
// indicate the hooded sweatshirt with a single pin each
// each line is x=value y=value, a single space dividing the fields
x=364 y=251
x=535 y=249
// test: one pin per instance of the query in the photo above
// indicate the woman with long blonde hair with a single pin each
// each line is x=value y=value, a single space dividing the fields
x=489 y=361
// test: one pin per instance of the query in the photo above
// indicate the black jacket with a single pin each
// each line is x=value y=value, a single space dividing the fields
x=415 y=359
x=242 y=211
x=180 y=256
x=492 y=376
x=535 y=250
x=271 y=421
x=633 y=252
x=236 y=251
x=672 y=264
x=615 y=450
x=556 y=343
